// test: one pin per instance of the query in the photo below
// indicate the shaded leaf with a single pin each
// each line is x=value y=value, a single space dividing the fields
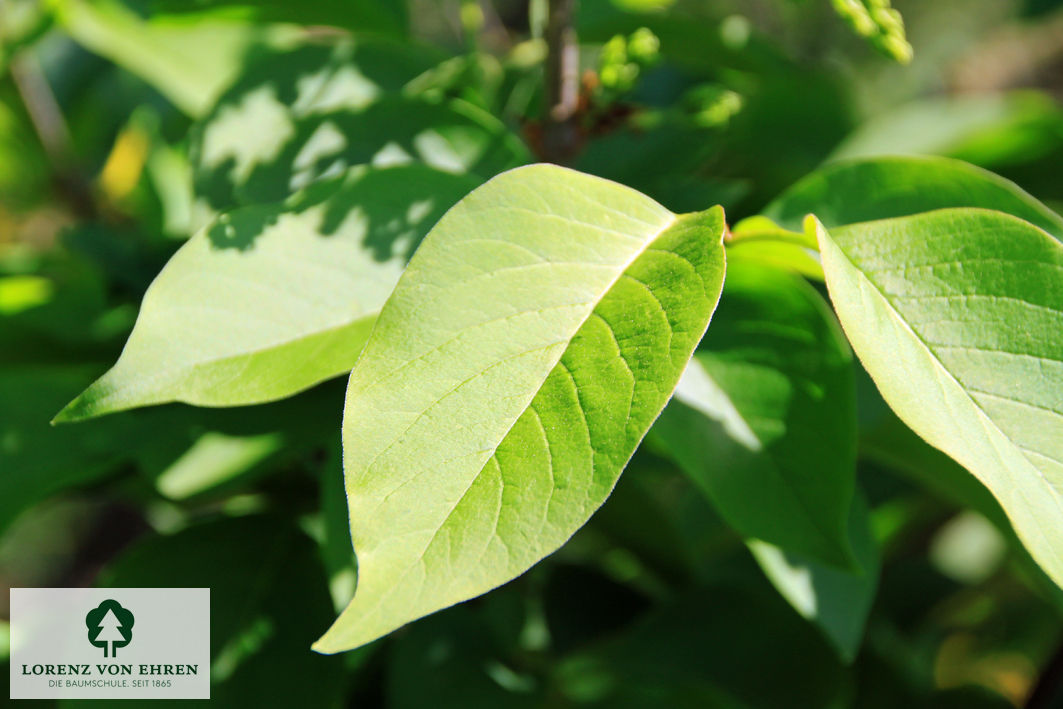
x=37 y=461
x=363 y=16
x=769 y=385
x=698 y=651
x=458 y=664
x=988 y=128
x=189 y=63
x=879 y=188
x=836 y=600
x=536 y=334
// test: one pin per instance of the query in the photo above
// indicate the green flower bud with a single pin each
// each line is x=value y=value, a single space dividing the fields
x=614 y=51
x=879 y=22
x=643 y=46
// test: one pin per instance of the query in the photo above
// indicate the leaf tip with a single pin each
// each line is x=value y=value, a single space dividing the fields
x=322 y=648
x=333 y=640
x=73 y=412
x=86 y=405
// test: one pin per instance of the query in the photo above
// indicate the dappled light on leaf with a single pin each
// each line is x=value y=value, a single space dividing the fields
x=310 y=114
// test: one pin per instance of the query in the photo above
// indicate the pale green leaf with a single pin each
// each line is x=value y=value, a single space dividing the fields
x=189 y=63
x=957 y=315
x=878 y=188
x=836 y=600
x=769 y=385
x=269 y=300
x=534 y=337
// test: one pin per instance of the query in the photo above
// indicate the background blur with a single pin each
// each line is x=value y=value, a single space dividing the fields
x=655 y=602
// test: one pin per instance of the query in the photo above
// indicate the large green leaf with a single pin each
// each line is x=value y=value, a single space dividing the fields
x=322 y=109
x=878 y=188
x=269 y=300
x=957 y=315
x=534 y=337
x=770 y=383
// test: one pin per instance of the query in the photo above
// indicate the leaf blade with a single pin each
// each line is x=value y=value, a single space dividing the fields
x=867 y=189
x=491 y=363
x=270 y=300
x=767 y=385
x=949 y=311
x=836 y=601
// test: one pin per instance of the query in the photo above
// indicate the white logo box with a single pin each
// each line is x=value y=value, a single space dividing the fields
x=110 y=643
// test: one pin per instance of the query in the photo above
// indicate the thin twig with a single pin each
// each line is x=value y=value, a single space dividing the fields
x=560 y=133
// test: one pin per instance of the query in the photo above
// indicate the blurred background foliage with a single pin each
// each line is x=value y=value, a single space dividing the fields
x=126 y=124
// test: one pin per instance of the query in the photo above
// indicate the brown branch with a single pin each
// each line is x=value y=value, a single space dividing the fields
x=560 y=132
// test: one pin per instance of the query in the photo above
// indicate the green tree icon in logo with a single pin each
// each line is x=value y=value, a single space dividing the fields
x=109 y=624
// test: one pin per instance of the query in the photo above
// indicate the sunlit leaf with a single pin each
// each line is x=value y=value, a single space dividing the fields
x=269 y=300
x=189 y=63
x=957 y=315
x=759 y=240
x=536 y=334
